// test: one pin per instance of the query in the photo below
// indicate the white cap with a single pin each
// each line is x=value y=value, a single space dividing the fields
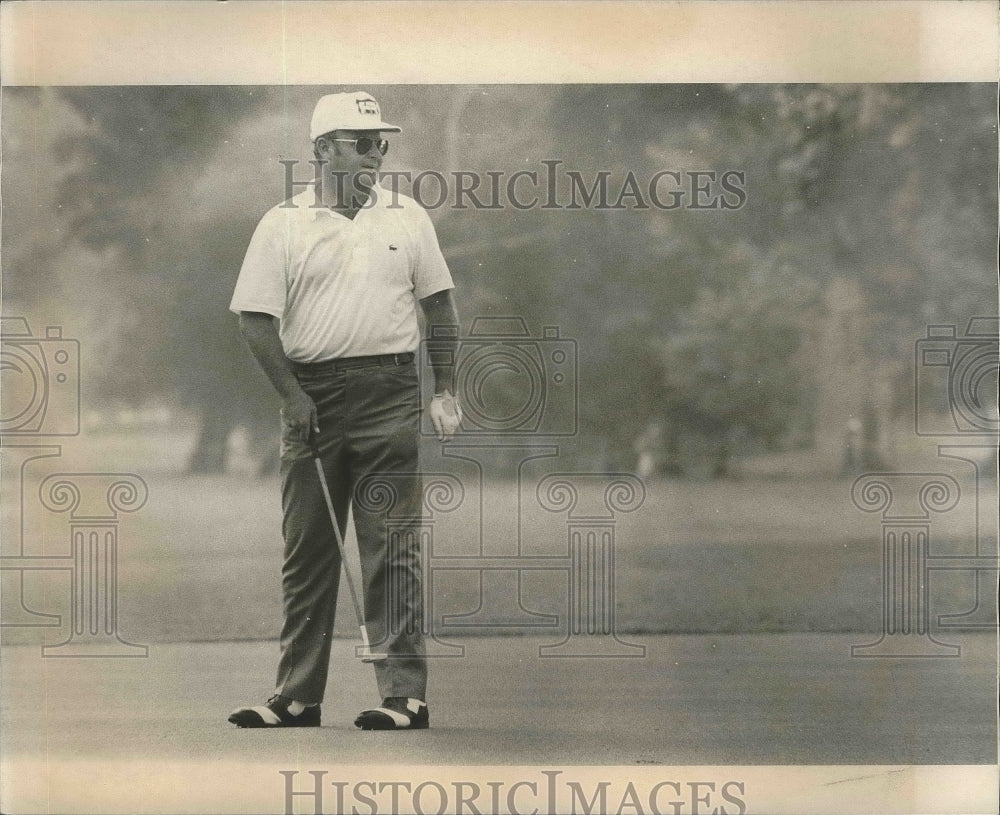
x=356 y=110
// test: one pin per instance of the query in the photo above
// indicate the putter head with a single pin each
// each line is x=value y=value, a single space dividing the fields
x=368 y=656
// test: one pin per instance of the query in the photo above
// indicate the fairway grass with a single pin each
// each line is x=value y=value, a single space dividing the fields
x=201 y=561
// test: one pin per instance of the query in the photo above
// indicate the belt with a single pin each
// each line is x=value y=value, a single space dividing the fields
x=345 y=363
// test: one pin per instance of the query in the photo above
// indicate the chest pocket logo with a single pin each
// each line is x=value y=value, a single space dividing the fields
x=394 y=261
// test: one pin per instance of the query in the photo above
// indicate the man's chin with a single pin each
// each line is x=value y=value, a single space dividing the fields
x=364 y=180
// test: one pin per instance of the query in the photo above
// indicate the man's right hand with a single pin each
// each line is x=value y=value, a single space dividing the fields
x=299 y=413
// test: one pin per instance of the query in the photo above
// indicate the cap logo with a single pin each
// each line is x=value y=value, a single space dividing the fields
x=367 y=106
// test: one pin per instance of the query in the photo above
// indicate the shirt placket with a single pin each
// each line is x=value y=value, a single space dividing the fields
x=360 y=256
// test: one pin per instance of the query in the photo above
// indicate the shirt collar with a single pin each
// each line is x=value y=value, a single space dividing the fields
x=307 y=198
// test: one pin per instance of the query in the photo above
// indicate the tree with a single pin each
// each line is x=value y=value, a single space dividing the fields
x=892 y=185
x=728 y=371
x=134 y=188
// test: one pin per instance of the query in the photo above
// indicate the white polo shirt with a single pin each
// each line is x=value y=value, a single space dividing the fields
x=342 y=287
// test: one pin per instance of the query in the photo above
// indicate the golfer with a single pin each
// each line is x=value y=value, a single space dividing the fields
x=327 y=298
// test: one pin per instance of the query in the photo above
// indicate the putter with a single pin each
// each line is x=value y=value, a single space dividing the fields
x=366 y=654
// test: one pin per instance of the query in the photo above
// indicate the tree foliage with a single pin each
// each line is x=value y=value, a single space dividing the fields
x=689 y=318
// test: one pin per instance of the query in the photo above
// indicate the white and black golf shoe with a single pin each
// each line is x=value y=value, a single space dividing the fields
x=396 y=713
x=274 y=713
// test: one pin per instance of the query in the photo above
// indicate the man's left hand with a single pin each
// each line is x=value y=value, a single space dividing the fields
x=446 y=415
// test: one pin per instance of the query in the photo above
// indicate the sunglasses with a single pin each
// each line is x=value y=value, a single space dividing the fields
x=365 y=143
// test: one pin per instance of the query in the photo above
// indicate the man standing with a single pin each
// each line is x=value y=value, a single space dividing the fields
x=327 y=303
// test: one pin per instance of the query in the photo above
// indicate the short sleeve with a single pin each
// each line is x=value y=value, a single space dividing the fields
x=430 y=274
x=261 y=282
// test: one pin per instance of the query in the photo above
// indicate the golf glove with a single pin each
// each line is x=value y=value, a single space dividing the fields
x=446 y=415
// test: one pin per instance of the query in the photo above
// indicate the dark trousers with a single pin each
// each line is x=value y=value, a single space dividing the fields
x=368 y=442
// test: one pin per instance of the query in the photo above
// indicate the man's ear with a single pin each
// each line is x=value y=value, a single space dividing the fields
x=325 y=146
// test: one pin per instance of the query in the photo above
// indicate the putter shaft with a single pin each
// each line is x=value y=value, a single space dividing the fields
x=367 y=656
